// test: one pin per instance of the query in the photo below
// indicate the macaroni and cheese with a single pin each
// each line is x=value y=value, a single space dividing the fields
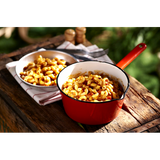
x=92 y=88
x=43 y=71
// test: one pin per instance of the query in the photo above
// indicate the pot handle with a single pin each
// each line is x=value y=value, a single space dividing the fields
x=132 y=55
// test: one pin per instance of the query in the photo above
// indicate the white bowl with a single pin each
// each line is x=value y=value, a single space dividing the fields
x=45 y=54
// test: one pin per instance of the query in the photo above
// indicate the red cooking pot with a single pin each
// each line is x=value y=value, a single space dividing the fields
x=95 y=113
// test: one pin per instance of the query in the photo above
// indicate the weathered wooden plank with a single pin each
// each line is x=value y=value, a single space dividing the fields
x=158 y=126
x=141 y=103
x=49 y=118
x=122 y=123
x=9 y=120
x=146 y=126
x=153 y=130
x=4 y=62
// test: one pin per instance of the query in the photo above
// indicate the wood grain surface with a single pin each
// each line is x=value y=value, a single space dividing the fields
x=49 y=118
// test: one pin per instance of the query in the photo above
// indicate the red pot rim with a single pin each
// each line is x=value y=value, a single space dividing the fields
x=122 y=97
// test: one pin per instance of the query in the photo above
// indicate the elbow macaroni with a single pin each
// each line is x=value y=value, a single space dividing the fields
x=43 y=71
x=92 y=88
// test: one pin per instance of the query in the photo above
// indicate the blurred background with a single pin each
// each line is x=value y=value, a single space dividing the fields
x=120 y=41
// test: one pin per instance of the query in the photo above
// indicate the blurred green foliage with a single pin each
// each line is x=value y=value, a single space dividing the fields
x=119 y=40
x=144 y=68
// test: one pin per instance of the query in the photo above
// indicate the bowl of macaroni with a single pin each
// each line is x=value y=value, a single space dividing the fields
x=40 y=69
x=93 y=92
